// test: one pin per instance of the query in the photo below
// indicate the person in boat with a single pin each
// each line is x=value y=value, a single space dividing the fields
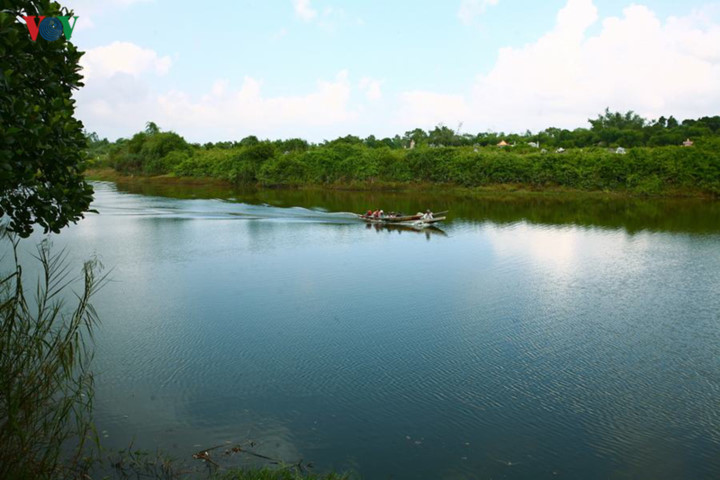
x=369 y=213
x=376 y=213
x=427 y=215
x=382 y=214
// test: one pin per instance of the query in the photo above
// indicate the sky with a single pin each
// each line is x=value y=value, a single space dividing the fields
x=319 y=69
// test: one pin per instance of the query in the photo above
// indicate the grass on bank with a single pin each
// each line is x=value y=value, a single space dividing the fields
x=46 y=386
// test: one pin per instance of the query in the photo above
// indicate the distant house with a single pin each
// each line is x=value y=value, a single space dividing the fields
x=412 y=144
x=502 y=143
x=688 y=143
x=620 y=151
x=560 y=150
x=534 y=144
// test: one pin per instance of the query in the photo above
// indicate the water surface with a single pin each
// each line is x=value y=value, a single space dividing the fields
x=531 y=338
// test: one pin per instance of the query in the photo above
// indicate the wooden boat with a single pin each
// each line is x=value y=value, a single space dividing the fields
x=389 y=219
x=412 y=220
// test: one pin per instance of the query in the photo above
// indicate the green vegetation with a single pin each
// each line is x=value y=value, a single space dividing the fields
x=41 y=145
x=652 y=160
x=46 y=389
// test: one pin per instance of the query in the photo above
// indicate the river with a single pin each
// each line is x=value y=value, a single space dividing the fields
x=528 y=337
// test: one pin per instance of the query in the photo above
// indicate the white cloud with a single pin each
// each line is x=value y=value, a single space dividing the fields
x=122 y=57
x=636 y=62
x=303 y=10
x=469 y=9
x=124 y=102
x=247 y=108
x=427 y=109
x=697 y=42
x=371 y=88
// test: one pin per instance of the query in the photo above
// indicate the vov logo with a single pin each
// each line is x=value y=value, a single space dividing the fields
x=50 y=28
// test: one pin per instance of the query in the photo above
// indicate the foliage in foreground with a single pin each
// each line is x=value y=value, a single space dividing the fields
x=41 y=143
x=46 y=388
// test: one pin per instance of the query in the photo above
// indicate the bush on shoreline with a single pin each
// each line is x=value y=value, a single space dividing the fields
x=650 y=167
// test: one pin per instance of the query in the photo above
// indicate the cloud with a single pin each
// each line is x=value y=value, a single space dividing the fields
x=427 y=109
x=371 y=88
x=122 y=57
x=636 y=62
x=247 y=108
x=122 y=103
x=303 y=10
x=469 y=9
x=584 y=63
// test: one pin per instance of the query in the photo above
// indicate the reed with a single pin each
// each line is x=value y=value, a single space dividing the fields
x=46 y=386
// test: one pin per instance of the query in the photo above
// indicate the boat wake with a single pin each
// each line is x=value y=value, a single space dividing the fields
x=129 y=204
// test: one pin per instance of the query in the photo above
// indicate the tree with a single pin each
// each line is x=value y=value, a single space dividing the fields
x=292 y=144
x=627 y=121
x=418 y=136
x=41 y=143
x=151 y=128
x=371 y=142
x=249 y=141
x=347 y=139
x=441 y=135
x=713 y=123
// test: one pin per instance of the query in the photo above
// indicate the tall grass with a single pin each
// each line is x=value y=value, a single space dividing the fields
x=46 y=387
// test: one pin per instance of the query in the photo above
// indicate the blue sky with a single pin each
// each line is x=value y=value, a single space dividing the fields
x=322 y=68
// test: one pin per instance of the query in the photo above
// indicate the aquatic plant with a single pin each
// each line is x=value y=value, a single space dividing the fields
x=46 y=386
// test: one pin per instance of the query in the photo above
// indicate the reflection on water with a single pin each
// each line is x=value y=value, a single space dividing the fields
x=533 y=340
x=428 y=231
x=630 y=214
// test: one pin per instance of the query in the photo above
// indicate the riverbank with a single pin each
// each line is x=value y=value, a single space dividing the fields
x=496 y=191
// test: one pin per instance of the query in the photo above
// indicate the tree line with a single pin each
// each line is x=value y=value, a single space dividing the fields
x=653 y=159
